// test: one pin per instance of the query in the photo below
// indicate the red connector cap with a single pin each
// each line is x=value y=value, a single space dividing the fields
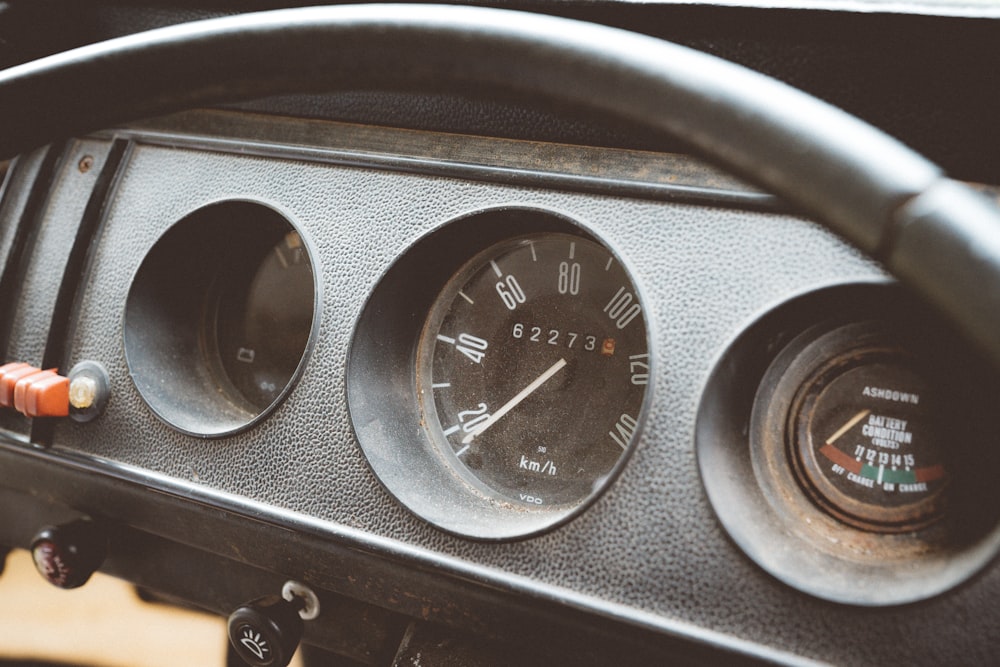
x=34 y=392
x=9 y=375
x=44 y=394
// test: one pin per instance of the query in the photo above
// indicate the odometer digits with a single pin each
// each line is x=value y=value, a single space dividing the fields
x=534 y=366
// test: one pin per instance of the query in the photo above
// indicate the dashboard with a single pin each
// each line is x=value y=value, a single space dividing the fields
x=473 y=381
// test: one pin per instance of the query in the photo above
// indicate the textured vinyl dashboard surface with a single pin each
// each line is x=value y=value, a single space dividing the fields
x=651 y=547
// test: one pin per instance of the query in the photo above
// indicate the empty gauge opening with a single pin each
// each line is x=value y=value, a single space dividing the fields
x=220 y=318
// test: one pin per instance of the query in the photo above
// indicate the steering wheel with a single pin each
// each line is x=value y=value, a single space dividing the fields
x=936 y=235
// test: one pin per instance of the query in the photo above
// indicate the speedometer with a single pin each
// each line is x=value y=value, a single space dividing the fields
x=500 y=373
x=533 y=368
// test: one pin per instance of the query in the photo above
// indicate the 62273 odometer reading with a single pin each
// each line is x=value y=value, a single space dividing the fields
x=534 y=366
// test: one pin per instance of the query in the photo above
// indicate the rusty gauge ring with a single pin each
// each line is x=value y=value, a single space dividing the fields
x=854 y=459
x=498 y=376
x=864 y=438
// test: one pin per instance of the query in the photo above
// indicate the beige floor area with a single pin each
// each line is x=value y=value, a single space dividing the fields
x=102 y=624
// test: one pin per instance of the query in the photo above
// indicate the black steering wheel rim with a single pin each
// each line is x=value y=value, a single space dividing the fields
x=936 y=235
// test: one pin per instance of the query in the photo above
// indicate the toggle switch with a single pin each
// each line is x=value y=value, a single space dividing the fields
x=10 y=374
x=44 y=393
x=32 y=391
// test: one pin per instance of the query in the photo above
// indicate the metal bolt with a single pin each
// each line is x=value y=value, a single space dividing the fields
x=82 y=392
x=89 y=391
x=85 y=164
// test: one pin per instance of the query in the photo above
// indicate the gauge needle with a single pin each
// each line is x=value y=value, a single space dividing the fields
x=513 y=403
x=847 y=427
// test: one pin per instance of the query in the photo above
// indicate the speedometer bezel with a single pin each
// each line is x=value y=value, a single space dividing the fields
x=383 y=389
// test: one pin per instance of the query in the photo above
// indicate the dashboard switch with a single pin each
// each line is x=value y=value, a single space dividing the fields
x=42 y=394
x=66 y=556
x=10 y=374
x=266 y=632
x=37 y=393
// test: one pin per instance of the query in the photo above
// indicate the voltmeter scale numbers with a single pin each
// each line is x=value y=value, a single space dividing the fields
x=866 y=444
x=534 y=367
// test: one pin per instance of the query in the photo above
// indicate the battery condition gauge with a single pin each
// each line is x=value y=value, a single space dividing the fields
x=865 y=469
x=864 y=440
x=878 y=425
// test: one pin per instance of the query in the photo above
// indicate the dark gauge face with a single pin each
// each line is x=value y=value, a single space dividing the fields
x=263 y=318
x=866 y=442
x=534 y=366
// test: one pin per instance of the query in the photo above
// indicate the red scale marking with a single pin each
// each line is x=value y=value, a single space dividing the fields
x=840 y=458
x=930 y=473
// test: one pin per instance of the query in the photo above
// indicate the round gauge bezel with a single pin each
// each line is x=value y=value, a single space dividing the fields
x=167 y=322
x=745 y=457
x=384 y=383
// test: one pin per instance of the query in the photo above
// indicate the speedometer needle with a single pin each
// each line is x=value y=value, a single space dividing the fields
x=513 y=403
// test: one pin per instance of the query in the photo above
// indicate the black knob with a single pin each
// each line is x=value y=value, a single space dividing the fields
x=67 y=555
x=266 y=632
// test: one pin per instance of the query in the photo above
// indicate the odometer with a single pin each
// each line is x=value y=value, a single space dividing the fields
x=533 y=368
